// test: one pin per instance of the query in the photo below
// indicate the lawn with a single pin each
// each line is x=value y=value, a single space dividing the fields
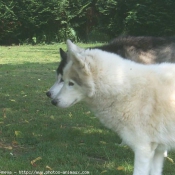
x=36 y=137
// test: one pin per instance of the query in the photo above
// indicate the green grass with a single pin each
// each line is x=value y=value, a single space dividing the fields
x=65 y=139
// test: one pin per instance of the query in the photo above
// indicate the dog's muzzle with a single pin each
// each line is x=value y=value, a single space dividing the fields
x=54 y=102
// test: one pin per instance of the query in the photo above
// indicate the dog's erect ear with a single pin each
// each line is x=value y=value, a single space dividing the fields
x=72 y=47
x=75 y=54
x=63 y=54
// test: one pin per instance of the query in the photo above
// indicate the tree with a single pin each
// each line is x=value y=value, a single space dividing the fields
x=41 y=21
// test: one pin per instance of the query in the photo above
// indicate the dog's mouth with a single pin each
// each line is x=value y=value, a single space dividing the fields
x=75 y=101
x=56 y=103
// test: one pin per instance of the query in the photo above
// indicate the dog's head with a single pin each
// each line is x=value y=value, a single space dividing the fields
x=78 y=83
x=55 y=89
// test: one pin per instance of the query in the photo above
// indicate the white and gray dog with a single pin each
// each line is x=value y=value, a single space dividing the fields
x=134 y=100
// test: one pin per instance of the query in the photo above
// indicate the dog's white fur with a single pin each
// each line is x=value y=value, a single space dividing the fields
x=134 y=100
x=55 y=89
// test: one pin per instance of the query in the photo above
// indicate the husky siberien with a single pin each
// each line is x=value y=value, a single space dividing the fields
x=146 y=50
x=54 y=90
x=134 y=100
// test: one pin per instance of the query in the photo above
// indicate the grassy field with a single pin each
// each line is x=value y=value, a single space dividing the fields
x=36 y=137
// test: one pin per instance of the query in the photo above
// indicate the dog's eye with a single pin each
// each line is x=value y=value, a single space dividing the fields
x=71 y=83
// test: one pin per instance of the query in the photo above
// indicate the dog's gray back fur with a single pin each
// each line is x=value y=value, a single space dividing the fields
x=147 y=50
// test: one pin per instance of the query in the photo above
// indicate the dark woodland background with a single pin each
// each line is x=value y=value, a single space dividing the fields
x=50 y=21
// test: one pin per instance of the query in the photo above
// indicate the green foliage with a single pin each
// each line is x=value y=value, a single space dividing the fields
x=8 y=20
x=150 y=17
x=55 y=21
x=96 y=36
x=65 y=33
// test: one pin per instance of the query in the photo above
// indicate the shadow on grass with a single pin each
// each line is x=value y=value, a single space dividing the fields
x=30 y=127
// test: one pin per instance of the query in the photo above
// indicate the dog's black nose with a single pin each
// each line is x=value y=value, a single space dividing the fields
x=48 y=94
x=54 y=102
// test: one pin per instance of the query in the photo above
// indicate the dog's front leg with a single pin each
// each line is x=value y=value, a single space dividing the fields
x=142 y=161
x=157 y=161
